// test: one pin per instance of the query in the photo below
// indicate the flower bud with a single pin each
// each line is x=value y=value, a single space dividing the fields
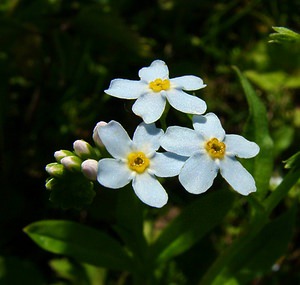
x=55 y=169
x=96 y=137
x=89 y=169
x=60 y=154
x=83 y=149
x=72 y=163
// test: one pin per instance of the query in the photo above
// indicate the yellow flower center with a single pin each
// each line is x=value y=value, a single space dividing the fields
x=215 y=148
x=138 y=162
x=158 y=84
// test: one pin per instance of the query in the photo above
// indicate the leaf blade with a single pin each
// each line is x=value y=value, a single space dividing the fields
x=257 y=129
x=80 y=242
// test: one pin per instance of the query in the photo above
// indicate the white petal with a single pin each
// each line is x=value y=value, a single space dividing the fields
x=185 y=103
x=126 y=89
x=166 y=164
x=149 y=190
x=198 y=173
x=150 y=107
x=209 y=126
x=180 y=140
x=241 y=147
x=237 y=176
x=187 y=82
x=157 y=69
x=146 y=137
x=115 y=139
x=113 y=173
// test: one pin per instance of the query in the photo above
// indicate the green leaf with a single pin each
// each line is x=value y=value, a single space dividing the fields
x=293 y=161
x=257 y=130
x=283 y=35
x=83 y=243
x=273 y=81
x=258 y=254
x=69 y=270
x=281 y=190
x=192 y=224
x=78 y=273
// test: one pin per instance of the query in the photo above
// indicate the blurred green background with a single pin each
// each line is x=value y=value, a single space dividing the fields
x=57 y=57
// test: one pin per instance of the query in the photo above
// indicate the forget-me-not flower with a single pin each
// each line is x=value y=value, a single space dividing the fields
x=153 y=90
x=209 y=150
x=136 y=160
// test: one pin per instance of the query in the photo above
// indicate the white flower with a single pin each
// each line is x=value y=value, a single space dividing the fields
x=154 y=88
x=136 y=160
x=210 y=149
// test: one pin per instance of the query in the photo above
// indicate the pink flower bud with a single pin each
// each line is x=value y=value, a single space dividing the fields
x=83 y=149
x=72 y=163
x=89 y=169
x=60 y=154
x=96 y=137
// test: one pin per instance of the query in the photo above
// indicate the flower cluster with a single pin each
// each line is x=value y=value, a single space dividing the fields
x=195 y=155
x=73 y=175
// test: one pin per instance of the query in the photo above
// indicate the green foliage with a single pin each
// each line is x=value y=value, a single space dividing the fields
x=293 y=162
x=257 y=129
x=57 y=57
x=283 y=35
x=73 y=190
x=83 y=243
x=78 y=274
x=191 y=225
x=257 y=253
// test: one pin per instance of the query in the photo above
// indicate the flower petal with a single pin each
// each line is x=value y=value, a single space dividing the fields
x=198 y=173
x=150 y=107
x=187 y=82
x=180 y=140
x=126 y=89
x=146 y=137
x=185 y=103
x=166 y=164
x=149 y=190
x=157 y=69
x=237 y=176
x=241 y=147
x=113 y=173
x=115 y=139
x=209 y=126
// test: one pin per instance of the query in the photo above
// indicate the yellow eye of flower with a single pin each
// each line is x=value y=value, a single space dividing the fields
x=138 y=162
x=158 y=84
x=215 y=148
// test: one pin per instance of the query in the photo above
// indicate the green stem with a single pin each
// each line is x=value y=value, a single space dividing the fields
x=281 y=191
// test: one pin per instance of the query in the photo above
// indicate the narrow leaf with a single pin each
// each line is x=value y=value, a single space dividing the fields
x=83 y=243
x=259 y=253
x=283 y=35
x=192 y=224
x=293 y=161
x=257 y=130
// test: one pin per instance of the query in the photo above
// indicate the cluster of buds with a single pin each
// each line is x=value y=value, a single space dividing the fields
x=83 y=159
